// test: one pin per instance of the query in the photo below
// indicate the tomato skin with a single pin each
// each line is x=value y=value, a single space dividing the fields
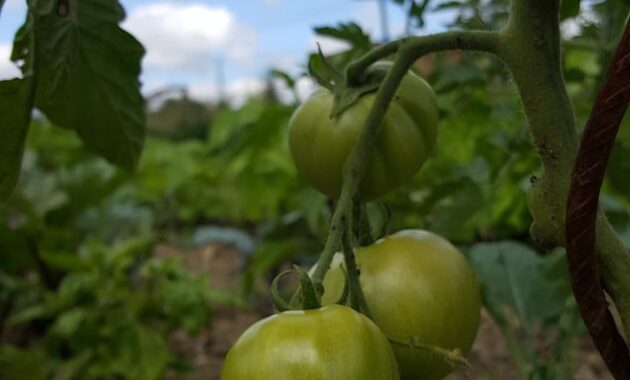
x=416 y=284
x=334 y=342
x=320 y=144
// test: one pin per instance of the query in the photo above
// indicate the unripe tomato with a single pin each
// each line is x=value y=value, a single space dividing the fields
x=417 y=285
x=320 y=144
x=332 y=343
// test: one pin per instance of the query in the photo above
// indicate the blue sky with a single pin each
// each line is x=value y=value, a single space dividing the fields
x=185 y=39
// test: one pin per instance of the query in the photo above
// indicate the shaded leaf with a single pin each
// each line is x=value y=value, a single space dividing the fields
x=513 y=276
x=88 y=71
x=15 y=115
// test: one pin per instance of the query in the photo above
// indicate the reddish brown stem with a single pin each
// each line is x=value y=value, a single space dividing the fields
x=582 y=208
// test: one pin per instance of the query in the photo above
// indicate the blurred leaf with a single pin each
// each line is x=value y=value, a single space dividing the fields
x=569 y=9
x=286 y=78
x=72 y=368
x=17 y=364
x=349 y=32
x=513 y=276
x=69 y=322
x=64 y=261
x=16 y=105
x=88 y=77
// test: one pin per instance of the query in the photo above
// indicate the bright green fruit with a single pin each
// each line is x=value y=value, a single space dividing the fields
x=417 y=285
x=331 y=343
x=320 y=144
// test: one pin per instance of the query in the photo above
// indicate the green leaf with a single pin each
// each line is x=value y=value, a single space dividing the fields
x=350 y=32
x=1 y=5
x=15 y=116
x=569 y=9
x=88 y=71
x=515 y=277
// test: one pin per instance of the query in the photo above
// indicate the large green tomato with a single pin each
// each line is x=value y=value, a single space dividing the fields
x=416 y=284
x=320 y=144
x=331 y=343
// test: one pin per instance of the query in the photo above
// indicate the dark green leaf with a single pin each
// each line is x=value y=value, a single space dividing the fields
x=513 y=276
x=88 y=77
x=15 y=116
x=569 y=9
x=350 y=32
x=1 y=5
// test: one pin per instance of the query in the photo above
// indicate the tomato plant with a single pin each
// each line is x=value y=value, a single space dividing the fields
x=334 y=342
x=321 y=143
x=419 y=285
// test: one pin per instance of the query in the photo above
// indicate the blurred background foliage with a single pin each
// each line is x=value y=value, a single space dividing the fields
x=82 y=296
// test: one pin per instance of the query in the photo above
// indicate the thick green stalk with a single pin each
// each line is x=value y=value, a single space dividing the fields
x=530 y=47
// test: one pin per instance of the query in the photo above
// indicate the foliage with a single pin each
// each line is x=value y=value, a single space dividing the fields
x=109 y=316
x=81 y=70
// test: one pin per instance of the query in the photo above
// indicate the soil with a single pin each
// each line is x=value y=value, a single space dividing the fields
x=490 y=357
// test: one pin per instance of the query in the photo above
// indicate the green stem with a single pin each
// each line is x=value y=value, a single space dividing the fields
x=421 y=45
x=409 y=50
x=357 y=298
x=530 y=47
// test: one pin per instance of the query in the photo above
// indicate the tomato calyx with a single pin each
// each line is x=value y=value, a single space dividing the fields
x=329 y=77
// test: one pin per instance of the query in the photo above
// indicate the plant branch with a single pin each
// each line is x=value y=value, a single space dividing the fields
x=421 y=45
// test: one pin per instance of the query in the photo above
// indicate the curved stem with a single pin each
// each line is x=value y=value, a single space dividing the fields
x=465 y=40
x=408 y=51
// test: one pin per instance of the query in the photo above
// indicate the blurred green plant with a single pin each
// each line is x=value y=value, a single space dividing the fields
x=109 y=316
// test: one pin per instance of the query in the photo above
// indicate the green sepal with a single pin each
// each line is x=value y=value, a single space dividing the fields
x=329 y=77
x=310 y=300
x=274 y=293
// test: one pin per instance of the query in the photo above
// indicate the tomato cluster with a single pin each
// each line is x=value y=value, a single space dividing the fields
x=418 y=286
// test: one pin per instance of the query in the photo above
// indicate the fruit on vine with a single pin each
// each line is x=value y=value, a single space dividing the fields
x=416 y=284
x=320 y=144
x=333 y=342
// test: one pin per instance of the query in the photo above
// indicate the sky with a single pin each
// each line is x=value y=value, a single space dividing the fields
x=193 y=43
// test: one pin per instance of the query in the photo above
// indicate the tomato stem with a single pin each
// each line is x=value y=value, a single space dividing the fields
x=357 y=298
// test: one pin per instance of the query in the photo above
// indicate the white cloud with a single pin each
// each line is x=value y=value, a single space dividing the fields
x=189 y=36
x=236 y=92
x=7 y=69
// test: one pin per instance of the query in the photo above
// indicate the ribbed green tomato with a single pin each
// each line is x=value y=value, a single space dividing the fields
x=334 y=342
x=416 y=284
x=320 y=144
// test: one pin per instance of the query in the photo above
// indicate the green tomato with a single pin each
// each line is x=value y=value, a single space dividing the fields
x=334 y=342
x=417 y=285
x=320 y=144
